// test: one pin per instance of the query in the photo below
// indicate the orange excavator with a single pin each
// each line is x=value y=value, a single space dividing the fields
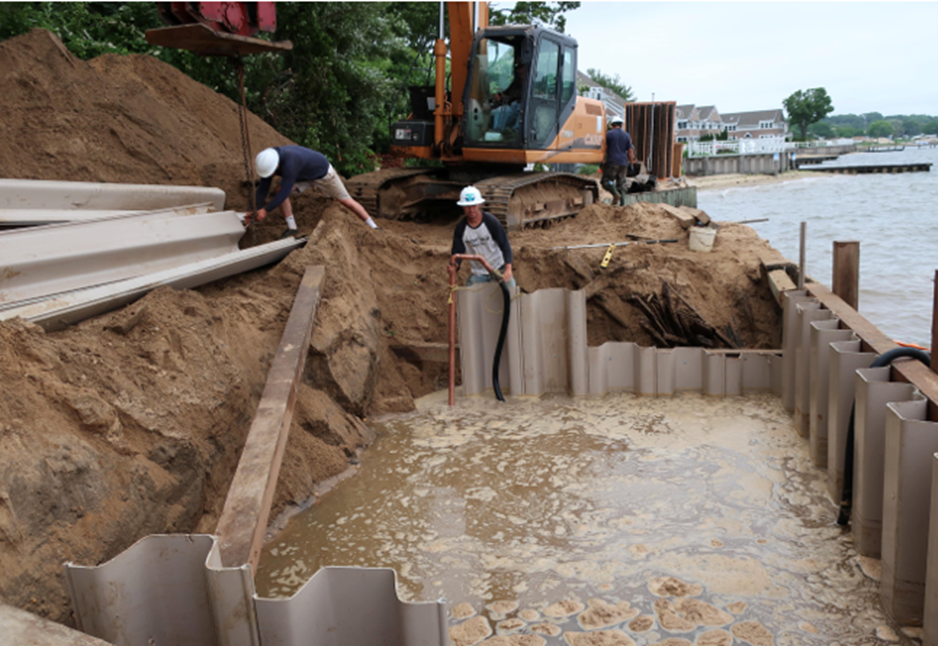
x=512 y=101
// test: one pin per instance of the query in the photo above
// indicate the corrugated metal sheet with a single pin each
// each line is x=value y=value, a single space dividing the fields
x=72 y=198
x=67 y=308
x=170 y=589
x=40 y=261
x=546 y=352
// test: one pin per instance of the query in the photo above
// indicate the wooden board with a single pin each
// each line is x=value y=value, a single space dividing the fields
x=874 y=340
x=243 y=521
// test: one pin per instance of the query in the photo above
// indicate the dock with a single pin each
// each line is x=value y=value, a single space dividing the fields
x=875 y=168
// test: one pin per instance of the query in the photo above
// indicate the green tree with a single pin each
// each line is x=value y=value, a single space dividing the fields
x=931 y=128
x=613 y=83
x=881 y=128
x=550 y=14
x=805 y=107
x=848 y=131
x=822 y=129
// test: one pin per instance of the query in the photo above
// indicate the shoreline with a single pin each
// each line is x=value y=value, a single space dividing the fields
x=739 y=180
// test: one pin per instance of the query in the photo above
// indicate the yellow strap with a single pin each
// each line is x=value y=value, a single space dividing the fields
x=608 y=256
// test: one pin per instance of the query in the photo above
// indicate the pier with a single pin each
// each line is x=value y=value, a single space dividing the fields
x=875 y=168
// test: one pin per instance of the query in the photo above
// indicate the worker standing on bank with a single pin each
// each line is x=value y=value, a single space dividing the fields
x=481 y=234
x=299 y=168
x=619 y=154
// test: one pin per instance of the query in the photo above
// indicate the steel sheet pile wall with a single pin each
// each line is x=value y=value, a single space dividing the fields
x=829 y=385
x=651 y=126
x=546 y=352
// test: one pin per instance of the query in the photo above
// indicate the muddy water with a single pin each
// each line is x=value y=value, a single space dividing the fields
x=638 y=519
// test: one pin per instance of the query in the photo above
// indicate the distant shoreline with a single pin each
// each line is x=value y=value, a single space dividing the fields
x=738 y=180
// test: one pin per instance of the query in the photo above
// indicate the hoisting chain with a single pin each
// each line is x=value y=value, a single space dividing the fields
x=246 y=145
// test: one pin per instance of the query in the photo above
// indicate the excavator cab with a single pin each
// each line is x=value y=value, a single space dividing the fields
x=521 y=88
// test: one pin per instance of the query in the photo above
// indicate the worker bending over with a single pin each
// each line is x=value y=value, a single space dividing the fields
x=299 y=168
x=619 y=154
x=481 y=234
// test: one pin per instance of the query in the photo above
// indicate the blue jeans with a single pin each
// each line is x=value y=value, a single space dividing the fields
x=475 y=279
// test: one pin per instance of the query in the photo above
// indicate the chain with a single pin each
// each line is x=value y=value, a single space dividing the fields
x=246 y=143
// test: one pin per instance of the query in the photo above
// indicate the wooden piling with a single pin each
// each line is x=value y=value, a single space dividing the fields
x=846 y=282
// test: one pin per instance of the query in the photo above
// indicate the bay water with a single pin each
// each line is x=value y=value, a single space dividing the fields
x=893 y=216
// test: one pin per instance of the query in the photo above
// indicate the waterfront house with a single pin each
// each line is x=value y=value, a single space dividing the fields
x=760 y=124
x=693 y=122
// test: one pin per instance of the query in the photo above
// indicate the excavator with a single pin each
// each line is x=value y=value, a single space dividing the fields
x=512 y=102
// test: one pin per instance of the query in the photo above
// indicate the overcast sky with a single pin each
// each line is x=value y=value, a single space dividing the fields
x=742 y=56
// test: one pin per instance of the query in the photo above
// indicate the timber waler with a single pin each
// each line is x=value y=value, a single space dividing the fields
x=512 y=102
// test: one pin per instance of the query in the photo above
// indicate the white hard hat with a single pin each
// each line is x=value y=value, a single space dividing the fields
x=470 y=196
x=266 y=162
x=615 y=120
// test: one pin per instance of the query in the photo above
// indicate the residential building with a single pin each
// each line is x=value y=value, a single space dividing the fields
x=761 y=124
x=694 y=122
x=615 y=104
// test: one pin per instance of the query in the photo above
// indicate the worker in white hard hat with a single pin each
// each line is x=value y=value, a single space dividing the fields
x=481 y=234
x=299 y=168
x=619 y=155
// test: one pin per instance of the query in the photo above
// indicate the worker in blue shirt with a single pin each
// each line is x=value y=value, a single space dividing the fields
x=619 y=155
x=299 y=168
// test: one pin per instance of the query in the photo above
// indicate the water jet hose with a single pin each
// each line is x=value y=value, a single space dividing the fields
x=846 y=498
x=506 y=314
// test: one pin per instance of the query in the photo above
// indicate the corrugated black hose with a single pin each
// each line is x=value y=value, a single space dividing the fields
x=506 y=314
x=846 y=498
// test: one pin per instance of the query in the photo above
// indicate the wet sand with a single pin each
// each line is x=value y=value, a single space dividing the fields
x=737 y=180
x=597 y=521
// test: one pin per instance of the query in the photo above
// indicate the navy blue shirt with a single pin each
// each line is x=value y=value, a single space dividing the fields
x=618 y=144
x=297 y=164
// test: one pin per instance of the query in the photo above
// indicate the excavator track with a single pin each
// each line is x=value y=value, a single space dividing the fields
x=527 y=200
x=518 y=200
x=365 y=188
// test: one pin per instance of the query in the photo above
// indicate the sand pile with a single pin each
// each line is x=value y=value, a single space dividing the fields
x=110 y=431
x=124 y=119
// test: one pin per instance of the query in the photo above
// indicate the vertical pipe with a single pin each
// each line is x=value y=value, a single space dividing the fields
x=440 y=37
x=934 y=327
x=452 y=335
x=475 y=17
x=804 y=228
x=846 y=282
x=439 y=51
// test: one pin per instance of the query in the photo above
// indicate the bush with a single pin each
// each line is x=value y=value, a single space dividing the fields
x=588 y=169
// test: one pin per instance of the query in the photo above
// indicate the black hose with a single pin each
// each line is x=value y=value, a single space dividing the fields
x=506 y=314
x=846 y=498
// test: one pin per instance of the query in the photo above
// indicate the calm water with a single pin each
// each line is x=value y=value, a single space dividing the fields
x=894 y=216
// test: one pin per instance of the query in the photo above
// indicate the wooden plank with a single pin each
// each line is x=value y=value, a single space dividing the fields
x=243 y=521
x=846 y=282
x=697 y=214
x=873 y=340
x=685 y=219
x=779 y=282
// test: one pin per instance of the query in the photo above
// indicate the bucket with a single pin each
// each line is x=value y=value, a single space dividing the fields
x=701 y=238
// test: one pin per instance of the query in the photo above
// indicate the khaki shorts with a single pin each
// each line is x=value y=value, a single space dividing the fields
x=330 y=184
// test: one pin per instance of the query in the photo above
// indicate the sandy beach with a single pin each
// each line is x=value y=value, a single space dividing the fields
x=737 y=180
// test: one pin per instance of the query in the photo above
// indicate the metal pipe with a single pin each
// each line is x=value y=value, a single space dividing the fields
x=452 y=334
x=617 y=244
x=801 y=254
x=442 y=8
x=475 y=17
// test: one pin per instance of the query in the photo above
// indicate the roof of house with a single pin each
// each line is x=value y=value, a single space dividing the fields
x=753 y=118
x=583 y=79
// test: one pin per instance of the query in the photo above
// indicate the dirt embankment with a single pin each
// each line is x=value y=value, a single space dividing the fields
x=111 y=431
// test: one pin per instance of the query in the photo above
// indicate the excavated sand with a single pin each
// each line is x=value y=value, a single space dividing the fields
x=108 y=437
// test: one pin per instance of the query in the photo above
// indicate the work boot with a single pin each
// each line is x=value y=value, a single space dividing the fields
x=289 y=233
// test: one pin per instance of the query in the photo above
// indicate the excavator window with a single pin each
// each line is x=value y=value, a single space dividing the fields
x=568 y=78
x=496 y=99
x=544 y=103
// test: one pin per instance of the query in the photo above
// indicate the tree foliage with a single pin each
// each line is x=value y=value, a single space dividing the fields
x=881 y=128
x=805 y=107
x=613 y=83
x=550 y=14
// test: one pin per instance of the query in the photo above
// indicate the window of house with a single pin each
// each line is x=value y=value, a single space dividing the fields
x=765 y=125
x=682 y=125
